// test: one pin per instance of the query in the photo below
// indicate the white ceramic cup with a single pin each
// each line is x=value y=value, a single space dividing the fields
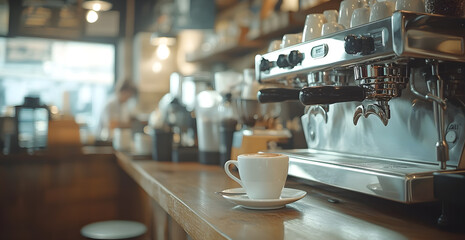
x=346 y=9
x=331 y=15
x=274 y=45
x=360 y=16
x=312 y=28
x=122 y=139
x=380 y=10
x=411 y=5
x=291 y=39
x=142 y=144
x=262 y=175
x=331 y=27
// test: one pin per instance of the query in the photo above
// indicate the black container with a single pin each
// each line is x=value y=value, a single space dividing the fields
x=31 y=120
x=162 y=145
x=227 y=128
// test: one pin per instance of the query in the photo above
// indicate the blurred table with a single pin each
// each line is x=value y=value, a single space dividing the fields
x=186 y=191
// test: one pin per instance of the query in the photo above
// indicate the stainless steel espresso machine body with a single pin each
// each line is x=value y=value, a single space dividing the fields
x=385 y=104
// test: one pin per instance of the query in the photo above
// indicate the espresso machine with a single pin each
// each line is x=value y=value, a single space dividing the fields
x=385 y=104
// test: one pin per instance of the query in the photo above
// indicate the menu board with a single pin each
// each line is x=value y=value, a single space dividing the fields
x=54 y=22
x=60 y=19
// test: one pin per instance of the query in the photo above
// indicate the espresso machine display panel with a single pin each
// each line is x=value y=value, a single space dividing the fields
x=385 y=104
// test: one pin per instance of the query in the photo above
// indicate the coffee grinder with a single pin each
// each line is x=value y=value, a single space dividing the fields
x=181 y=115
x=261 y=129
x=228 y=84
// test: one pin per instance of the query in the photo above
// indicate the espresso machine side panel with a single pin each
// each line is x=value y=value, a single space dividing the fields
x=410 y=134
x=428 y=36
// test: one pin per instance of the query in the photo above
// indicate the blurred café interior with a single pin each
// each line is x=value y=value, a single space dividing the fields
x=73 y=153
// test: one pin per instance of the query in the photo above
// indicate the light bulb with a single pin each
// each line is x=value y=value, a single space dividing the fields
x=92 y=16
x=163 y=52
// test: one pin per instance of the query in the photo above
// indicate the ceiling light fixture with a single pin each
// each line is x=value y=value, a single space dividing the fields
x=97 y=5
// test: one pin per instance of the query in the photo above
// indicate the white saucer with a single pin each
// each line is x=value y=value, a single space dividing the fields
x=288 y=195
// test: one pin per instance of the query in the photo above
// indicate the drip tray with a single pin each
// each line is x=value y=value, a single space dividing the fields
x=401 y=181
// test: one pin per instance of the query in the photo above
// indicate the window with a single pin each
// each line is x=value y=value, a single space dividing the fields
x=73 y=76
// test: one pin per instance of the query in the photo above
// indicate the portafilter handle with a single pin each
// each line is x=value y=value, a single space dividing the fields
x=331 y=94
x=270 y=95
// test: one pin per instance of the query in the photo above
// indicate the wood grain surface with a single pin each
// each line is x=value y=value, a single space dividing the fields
x=186 y=191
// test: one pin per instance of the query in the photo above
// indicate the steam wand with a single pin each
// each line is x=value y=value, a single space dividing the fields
x=436 y=95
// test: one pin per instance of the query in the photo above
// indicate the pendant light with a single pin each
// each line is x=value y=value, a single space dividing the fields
x=97 y=5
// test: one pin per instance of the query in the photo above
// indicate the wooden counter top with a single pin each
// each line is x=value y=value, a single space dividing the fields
x=186 y=191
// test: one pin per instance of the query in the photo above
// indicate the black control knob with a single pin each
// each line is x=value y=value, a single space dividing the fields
x=368 y=45
x=295 y=57
x=359 y=44
x=352 y=44
x=282 y=61
x=265 y=65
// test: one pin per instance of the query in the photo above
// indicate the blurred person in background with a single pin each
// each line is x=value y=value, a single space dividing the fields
x=118 y=109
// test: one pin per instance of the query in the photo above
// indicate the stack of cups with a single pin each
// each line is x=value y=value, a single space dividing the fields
x=381 y=9
x=360 y=16
x=411 y=5
x=346 y=9
x=313 y=24
x=332 y=25
x=291 y=39
x=274 y=45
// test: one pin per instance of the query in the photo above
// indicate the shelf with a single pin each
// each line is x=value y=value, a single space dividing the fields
x=284 y=22
x=294 y=22
x=289 y=22
x=245 y=61
x=225 y=52
x=320 y=6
